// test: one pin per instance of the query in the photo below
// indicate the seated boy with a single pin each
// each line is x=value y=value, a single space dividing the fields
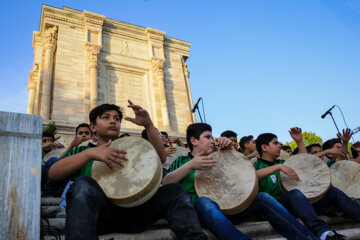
x=182 y=170
x=90 y=213
x=248 y=147
x=49 y=188
x=82 y=134
x=268 y=170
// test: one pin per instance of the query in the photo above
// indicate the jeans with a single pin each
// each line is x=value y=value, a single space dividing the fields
x=337 y=198
x=63 y=196
x=296 y=202
x=223 y=227
x=90 y=213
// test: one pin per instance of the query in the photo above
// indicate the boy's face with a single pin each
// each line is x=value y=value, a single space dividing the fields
x=107 y=125
x=205 y=143
x=234 y=142
x=315 y=150
x=46 y=140
x=288 y=150
x=273 y=149
x=251 y=145
x=84 y=133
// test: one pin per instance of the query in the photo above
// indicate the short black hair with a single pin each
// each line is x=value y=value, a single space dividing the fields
x=195 y=130
x=309 y=147
x=165 y=134
x=296 y=151
x=228 y=133
x=354 y=153
x=99 y=110
x=245 y=140
x=47 y=134
x=124 y=135
x=330 y=143
x=82 y=125
x=264 y=138
x=286 y=147
x=144 y=135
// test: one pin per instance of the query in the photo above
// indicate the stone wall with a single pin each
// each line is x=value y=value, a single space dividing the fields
x=83 y=59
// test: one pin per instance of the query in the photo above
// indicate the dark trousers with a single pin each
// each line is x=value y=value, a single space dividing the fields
x=49 y=187
x=90 y=213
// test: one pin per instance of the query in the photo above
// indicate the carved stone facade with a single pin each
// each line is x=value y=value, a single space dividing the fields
x=83 y=59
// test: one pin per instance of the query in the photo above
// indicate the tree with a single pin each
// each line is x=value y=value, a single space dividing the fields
x=308 y=138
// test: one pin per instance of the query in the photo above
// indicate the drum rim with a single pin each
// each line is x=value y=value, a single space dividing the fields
x=134 y=194
x=250 y=198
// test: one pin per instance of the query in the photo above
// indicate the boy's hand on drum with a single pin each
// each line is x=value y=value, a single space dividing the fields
x=290 y=172
x=109 y=156
x=170 y=150
x=225 y=143
x=296 y=134
x=142 y=117
x=200 y=162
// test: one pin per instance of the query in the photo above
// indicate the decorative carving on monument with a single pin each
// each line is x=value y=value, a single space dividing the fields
x=158 y=67
x=125 y=49
x=93 y=51
x=50 y=36
x=32 y=85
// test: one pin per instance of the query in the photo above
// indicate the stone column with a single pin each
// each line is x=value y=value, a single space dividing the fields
x=93 y=51
x=157 y=68
x=32 y=90
x=186 y=76
x=49 y=46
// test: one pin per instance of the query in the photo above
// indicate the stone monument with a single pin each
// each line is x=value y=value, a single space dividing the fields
x=83 y=59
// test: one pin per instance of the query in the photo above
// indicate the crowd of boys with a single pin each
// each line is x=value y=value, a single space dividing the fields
x=90 y=213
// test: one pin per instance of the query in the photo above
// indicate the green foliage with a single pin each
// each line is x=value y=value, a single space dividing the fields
x=308 y=138
x=52 y=129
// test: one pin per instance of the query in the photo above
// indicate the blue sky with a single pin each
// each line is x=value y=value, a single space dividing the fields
x=260 y=66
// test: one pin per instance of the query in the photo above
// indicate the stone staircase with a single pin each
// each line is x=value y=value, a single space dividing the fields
x=53 y=227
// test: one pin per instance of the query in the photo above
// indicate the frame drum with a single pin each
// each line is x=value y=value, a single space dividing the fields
x=180 y=151
x=232 y=183
x=314 y=176
x=54 y=153
x=345 y=175
x=138 y=180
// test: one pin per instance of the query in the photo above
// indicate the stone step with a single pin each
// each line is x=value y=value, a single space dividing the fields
x=252 y=229
x=351 y=234
x=50 y=201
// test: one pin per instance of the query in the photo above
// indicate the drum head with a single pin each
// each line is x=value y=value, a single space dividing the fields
x=314 y=176
x=54 y=153
x=139 y=178
x=180 y=151
x=345 y=175
x=284 y=155
x=232 y=183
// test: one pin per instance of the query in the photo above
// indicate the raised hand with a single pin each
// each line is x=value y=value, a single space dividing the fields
x=109 y=156
x=142 y=117
x=346 y=135
x=296 y=134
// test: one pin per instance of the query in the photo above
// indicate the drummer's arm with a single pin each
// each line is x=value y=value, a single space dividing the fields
x=264 y=172
x=178 y=174
x=155 y=140
x=66 y=167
